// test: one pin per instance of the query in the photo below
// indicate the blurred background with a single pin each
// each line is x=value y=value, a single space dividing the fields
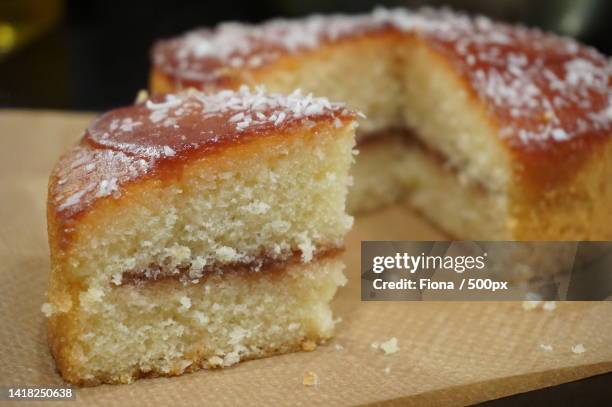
x=94 y=54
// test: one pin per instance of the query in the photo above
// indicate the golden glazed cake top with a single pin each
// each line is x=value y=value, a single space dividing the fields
x=157 y=136
x=541 y=89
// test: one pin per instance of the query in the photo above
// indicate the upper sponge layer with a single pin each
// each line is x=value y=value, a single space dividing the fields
x=539 y=88
x=132 y=143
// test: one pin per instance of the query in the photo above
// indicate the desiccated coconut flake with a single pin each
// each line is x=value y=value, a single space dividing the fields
x=107 y=187
x=281 y=116
x=560 y=135
x=72 y=200
x=171 y=101
x=168 y=152
x=237 y=117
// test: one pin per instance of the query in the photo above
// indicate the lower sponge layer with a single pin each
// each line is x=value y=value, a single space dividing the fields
x=392 y=169
x=166 y=328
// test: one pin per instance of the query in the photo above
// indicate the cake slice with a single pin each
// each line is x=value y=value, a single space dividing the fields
x=197 y=230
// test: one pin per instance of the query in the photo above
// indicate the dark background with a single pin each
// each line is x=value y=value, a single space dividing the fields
x=96 y=56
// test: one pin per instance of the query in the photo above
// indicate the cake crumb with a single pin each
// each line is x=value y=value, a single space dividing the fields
x=387 y=370
x=530 y=304
x=141 y=96
x=578 y=349
x=546 y=347
x=310 y=379
x=375 y=345
x=338 y=347
x=309 y=346
x=390 y=346
x=549 y=305
x=47 y=309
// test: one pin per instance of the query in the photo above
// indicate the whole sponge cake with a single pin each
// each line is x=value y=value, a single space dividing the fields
x=493 y=131
x=197 y=230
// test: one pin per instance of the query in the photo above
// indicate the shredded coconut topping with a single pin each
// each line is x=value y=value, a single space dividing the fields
x=539 y=86
x=258 y=107
x=92 y=174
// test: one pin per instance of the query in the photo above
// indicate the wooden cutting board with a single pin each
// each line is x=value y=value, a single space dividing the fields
x=450 y=353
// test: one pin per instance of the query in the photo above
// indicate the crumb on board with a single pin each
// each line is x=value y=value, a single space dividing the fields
x=47 y=309
x=390 y=346
x=549 y=305
x=546 y=347
x=310 y=379
x=387 y=370
x=528 y=305
x=338 y=347
x=578 y=349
